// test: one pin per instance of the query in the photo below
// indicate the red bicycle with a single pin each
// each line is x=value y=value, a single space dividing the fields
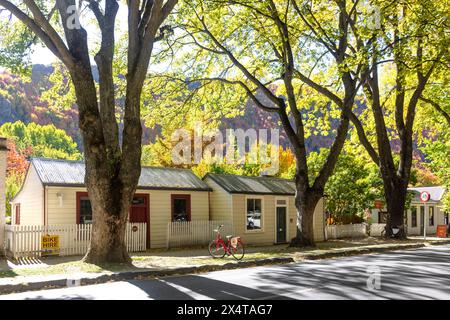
x=234 y=246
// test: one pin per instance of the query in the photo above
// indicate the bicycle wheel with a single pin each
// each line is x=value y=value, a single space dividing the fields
x=239 y=251
x=216 y=250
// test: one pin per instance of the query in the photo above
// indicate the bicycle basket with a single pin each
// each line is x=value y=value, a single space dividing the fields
x=234 y=241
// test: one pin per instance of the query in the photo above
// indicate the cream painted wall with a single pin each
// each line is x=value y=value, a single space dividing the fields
x=267 y=235
x=220 y=201
x=61 y=212
x=224 y=203
x=31 y=200
x=160 y=212
x=438 y=218
x=160 y=209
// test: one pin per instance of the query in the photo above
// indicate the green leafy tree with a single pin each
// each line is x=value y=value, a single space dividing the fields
x=401 y=56
x=112 y=159
x=438 y=155
x=352 y=188
x=44 y=141
x=269 y=52
x=354 y=185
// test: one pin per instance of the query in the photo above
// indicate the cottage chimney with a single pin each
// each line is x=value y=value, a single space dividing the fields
x=3 y=151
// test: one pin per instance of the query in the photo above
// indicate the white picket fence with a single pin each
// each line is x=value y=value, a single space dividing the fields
x=198 y=232
x=25 y=240
x=346 y=231
x=376 y=229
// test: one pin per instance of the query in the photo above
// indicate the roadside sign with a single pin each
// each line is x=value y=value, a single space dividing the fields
x=378 y=204
x=424 y=196
x=50 y=245
x=441 y=231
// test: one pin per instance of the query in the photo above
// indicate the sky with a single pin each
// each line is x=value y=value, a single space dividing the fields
x=42 y=55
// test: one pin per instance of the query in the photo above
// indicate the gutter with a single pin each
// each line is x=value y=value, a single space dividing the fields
x=80 y=185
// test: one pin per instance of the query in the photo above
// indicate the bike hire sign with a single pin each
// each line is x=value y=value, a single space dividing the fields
x=50 y=244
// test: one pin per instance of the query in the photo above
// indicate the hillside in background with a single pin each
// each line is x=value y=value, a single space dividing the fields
x=21 y=100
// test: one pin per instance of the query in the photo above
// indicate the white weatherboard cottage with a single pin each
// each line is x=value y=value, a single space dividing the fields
x=430 y=213
x=421 y=215
x=261 y=209
x=54 y=193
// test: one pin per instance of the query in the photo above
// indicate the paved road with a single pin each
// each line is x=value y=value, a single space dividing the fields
x=413 y=274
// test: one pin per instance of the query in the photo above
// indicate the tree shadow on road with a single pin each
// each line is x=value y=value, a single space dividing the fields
x=191 y=287
x=199 y=287
x=418 y=274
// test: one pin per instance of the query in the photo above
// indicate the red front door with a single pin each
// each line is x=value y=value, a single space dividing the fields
x=139 y=212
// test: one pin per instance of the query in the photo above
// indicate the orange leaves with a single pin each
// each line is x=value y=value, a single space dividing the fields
x=17 y=163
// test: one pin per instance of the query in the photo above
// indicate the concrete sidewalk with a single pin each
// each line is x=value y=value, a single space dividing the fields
x=177 y=262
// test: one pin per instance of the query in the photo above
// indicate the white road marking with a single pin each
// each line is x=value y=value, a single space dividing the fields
x=235 y=295
x=189 y=292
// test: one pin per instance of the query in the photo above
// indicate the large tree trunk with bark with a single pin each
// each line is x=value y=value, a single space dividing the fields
x=108 y=236
x=395 y=193
x=305 y=206
x=111 y=181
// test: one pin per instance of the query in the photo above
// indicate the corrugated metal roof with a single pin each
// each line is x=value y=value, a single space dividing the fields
x=253 y=185
x=71 y=173
x=436 y=193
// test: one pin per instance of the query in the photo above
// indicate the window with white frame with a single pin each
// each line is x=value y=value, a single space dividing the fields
x=254 y=214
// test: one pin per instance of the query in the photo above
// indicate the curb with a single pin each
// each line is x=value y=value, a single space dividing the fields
x=183 y=271
x=149 y=274
x=437 y=243
x=364 y=251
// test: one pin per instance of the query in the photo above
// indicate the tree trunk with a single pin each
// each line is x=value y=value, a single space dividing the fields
x=110 y=187
x=305 y=203
x=108 y=236
x=395 y=193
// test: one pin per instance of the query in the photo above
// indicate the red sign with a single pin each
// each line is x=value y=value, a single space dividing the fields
x=378 y=204
x=424 y=196
x=441 y=231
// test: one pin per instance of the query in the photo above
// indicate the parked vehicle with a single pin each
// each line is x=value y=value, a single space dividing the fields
x=234 y=246
x=254 y=220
